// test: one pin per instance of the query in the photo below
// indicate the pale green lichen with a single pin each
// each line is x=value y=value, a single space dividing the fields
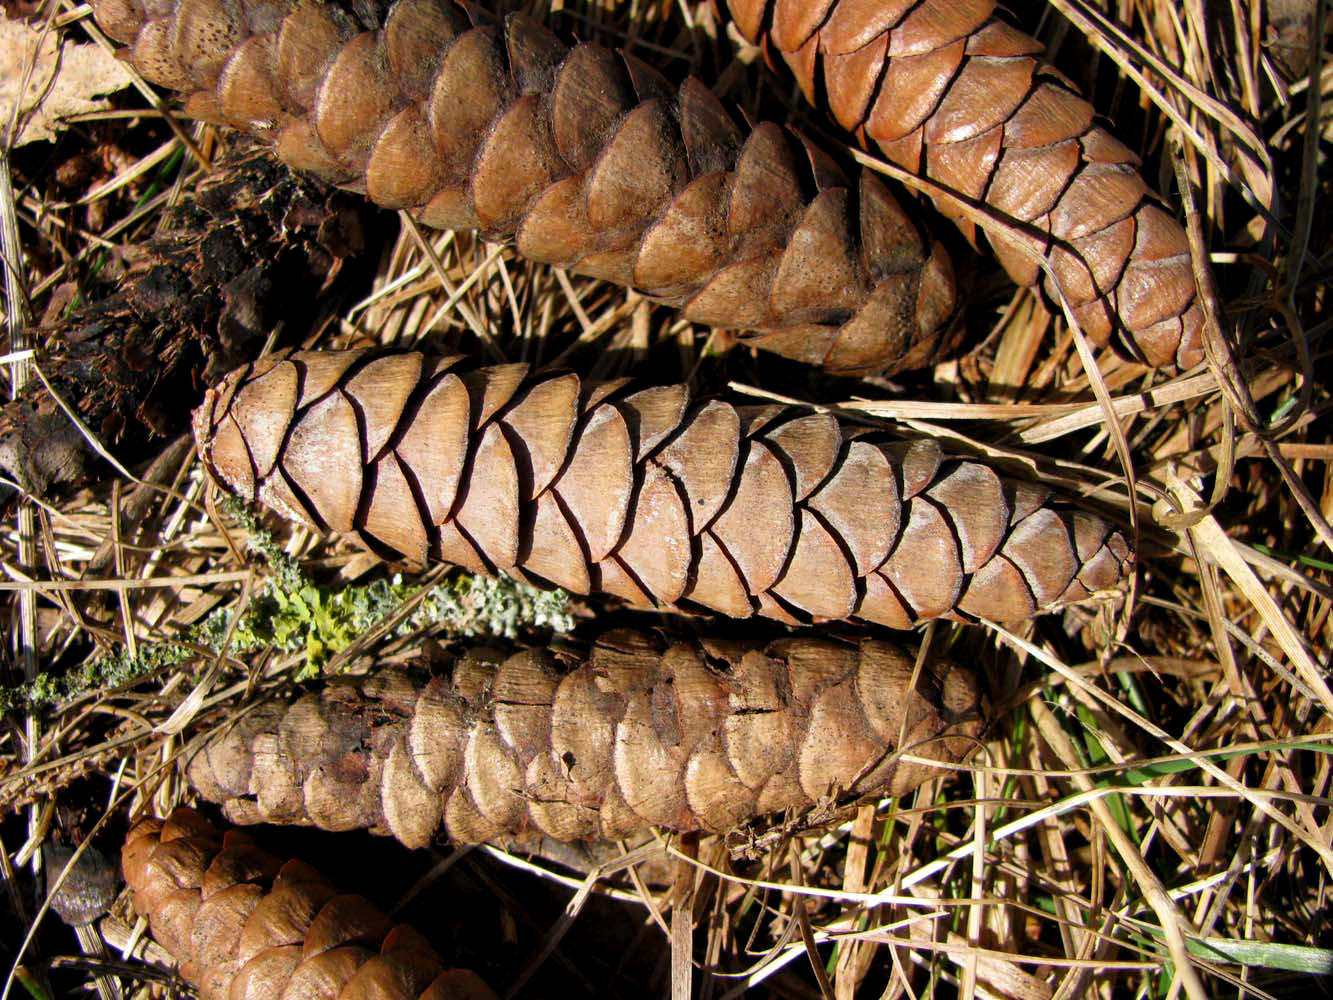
x=292 y=613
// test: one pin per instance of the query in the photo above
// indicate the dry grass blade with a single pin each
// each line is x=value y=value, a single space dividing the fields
x=1147 y=813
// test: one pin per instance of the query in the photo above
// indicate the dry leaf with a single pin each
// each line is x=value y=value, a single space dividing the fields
x=62 y=79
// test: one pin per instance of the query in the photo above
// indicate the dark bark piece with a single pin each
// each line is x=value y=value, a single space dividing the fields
x=241 y=254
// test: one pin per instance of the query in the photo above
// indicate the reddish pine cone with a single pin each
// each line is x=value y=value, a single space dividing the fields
x=685 y=735
x=245 y=925
x=582 y=157
x=949 y=92
x=640 y=493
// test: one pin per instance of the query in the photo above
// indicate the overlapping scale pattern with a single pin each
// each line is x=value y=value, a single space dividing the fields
x=583 y=157
x=684 y=735
x=948 y=91
x=646 y=494
x=247 y=925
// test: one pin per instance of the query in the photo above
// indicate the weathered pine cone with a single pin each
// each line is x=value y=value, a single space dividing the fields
x=639 y=493
x=642 y=732
x=949 y=92
x=246 y=925
x=585 y=158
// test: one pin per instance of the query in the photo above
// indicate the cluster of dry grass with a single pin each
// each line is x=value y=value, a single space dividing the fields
x=1150 y=815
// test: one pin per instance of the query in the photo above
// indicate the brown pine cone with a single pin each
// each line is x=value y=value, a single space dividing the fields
x=639 y=493
x=584 y=158
x=642 y=732
x=947 y=91
x=246 y=925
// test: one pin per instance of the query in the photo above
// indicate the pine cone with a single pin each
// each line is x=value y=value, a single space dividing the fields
x=949 y=92
x=245 y=925
x=636 y=492
x=585 y=158
x=682 y=735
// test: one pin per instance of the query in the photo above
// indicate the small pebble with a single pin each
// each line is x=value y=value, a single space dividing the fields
x=88 y=890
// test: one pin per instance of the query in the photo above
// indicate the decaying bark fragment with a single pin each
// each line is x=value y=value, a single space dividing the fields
x=948 y=91
x=585 y=158
x=641 y=493
x=246 y=925
x=683 y=735
x=244 y=252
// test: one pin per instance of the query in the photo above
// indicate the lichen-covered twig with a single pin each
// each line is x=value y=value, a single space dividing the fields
x=683 y=735
x=246 y=925
x=641 y=493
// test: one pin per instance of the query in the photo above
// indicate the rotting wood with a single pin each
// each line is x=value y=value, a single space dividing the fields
x=243 y=253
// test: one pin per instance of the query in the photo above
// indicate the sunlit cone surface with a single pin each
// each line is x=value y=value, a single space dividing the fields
x=245 y=925
x=948 y=91
x=642 y=493
x=683 y=735
x=584 y=158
